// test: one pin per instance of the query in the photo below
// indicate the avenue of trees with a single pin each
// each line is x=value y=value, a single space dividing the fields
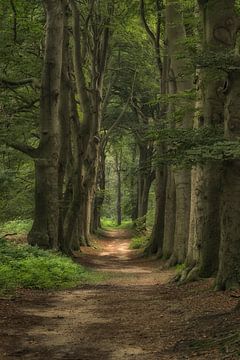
x=125 y=107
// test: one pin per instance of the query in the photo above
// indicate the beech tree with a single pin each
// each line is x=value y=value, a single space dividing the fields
x=46 y=157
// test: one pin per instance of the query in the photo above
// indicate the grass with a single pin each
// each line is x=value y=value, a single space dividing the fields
x=139 y=242
x=112 y=224
x=17 y=226
x=23 y=266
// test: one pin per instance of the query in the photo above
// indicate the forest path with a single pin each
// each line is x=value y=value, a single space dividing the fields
x=133 y=314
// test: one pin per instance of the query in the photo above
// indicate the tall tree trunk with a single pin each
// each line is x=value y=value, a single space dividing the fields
x=181 y=83
x=90 y=103
x=100 y=194
x=118 y=160
x=157 y=235
x=44 y=232
x=170 y=216
x=134 y=187
x=228 y=276
x=65 y=133
x=156 y=241
x=205 y=216
x=145 y=177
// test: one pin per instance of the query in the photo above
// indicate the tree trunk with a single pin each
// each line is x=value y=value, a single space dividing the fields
x=205 y=219
x=170 y=216
x=44 y=232
x=90 y=103
x=119 y=188
x=157 y=235
x=156 y=241
x=228 y=276
x=100 y=194
x=145 y=178
x=181 y=83
x=65 y=133
x=134 y=187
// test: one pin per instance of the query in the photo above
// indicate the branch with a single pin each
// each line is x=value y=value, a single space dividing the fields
x=14 y=21
x=117 y=121
x=155 y=38
x=26 y=149
x=78 y=62
x=144 y=21
x=159 y=7
x=13 y=84
x=108 y=92
x=114 y=125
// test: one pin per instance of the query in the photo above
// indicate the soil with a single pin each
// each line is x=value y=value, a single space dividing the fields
x=134 y=313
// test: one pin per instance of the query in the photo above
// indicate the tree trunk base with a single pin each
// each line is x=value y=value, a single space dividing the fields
x=171 y=262
x=40 y=239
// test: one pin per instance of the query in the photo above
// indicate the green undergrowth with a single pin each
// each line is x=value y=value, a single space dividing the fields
x=16 y=226
x=139 y=242
x=180 y=267
x=23 y=266
x=108 y=223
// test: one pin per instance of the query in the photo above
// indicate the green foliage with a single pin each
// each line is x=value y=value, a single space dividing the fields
x=140 y=224
x=16 y=185
x=108 y=223
x=23 y=266
x=188 y=147
x=17 y=226
x=139 y=242
x=180 y=267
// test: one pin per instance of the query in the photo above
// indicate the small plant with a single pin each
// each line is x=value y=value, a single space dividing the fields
x=139 y=242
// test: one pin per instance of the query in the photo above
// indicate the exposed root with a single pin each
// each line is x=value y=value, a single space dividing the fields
x=229 y=345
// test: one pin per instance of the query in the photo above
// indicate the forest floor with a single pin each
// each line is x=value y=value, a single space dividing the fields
x=135 y=313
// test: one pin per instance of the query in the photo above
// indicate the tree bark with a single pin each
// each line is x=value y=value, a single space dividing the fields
x=170 y=216
x=228 y=276
x=44 y=232
x=204 y=236
x=181 y=83
x=157 y=235
x=100 y=194
x=118 y=160
x=65 y=125
x=145 y=177
x=90 y=103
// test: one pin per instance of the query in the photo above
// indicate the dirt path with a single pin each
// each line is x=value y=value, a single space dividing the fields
x=136 y=314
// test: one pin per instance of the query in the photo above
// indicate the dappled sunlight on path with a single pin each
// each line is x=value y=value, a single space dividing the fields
x=132 y=314
x=113 y=255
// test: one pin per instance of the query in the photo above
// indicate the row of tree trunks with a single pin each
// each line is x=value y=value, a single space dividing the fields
x=66 y=160
x=196 y=226
x=200 y=207
x=205 y=228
